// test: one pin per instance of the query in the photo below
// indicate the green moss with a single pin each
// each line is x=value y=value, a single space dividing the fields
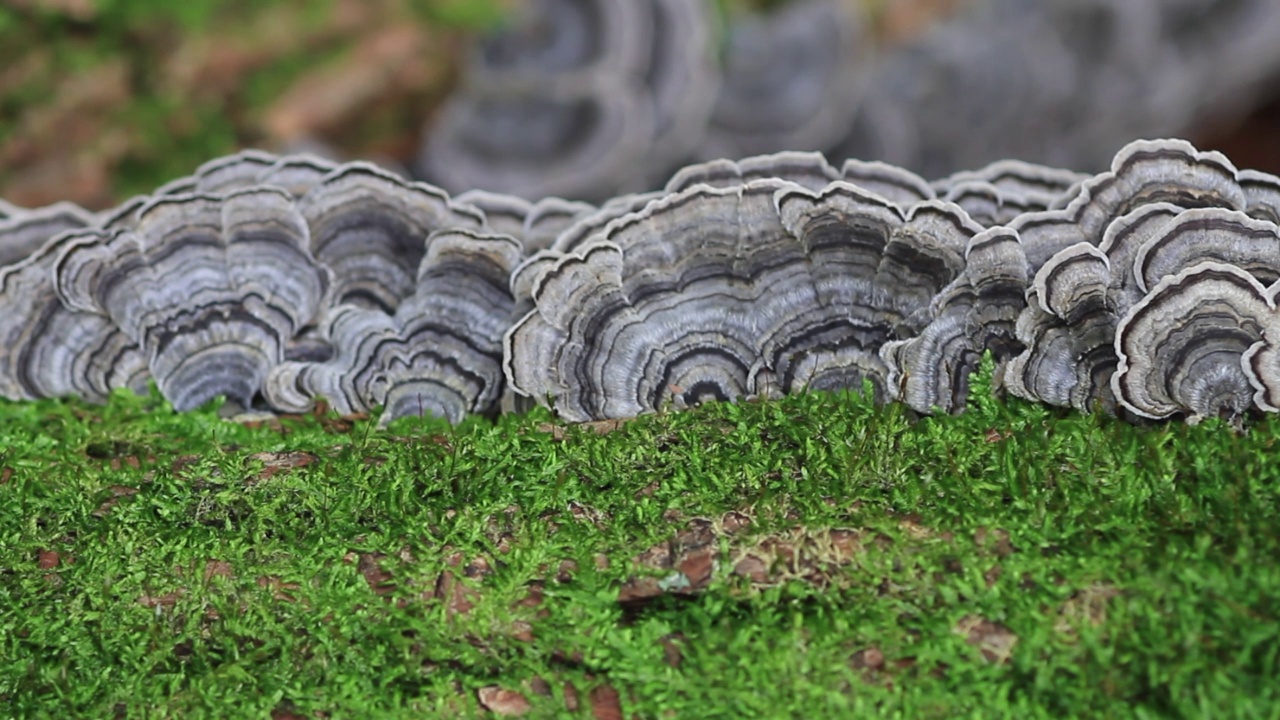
x=1138 y=573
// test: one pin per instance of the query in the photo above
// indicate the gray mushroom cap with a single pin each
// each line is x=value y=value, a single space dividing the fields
x=888 y=181
x=976 y=312
x=548 y=218
x=210 y=287
x=24 y=231
x=754 y=289
x=503 y=214
x=807 y=169
x=370 y=227
x=48 y=350
x=1181 y=348
x=439 y=355
x=1143 y=172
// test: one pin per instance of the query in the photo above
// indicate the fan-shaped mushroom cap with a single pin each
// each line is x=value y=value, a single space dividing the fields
x=210 y=287
x=1067 y=329
x=888 y=181
x=1261 y=194
x=370 y=227
x=48 y=350
x=296 y=174
x=711 y=293
x=1037 y=185
x=791 y=79
x=548 y=218
x=1180 y=349
x=975 y=313
x=1195 y=236
x=503 y=214
x=439 y=355
x=908 y=255
x=26 y=230
x=589 y=226
x=1082 y=293
x=1143 y=172
x=807 y=169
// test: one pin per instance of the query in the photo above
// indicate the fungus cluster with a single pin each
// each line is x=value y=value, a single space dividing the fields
x=1148 y=290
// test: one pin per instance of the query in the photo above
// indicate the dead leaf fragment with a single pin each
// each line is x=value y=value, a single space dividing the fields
x=48 y=559
x=278 y=462
x=571 y=702
x=993 y=640
x=501 y=701
x=379 y=580
x=605 y=703
x=217 y=569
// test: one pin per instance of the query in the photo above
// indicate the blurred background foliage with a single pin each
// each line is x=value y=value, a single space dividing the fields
x=103 y=99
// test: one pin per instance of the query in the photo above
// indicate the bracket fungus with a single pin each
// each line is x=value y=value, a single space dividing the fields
x=22 y=232
x=719 y=293
x=49 y=350
x=1147 y=291
x=370 y=228
x=1181 y=349
x=976 y=312
x=1180 y=207
x=439 y=355
x=210 y=287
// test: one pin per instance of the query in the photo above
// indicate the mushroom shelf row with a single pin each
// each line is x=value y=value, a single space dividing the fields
x=1145 y=291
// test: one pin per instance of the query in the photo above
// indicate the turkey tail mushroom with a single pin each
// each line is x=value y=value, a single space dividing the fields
x=439 y=355
x=720 y=293
x=1181 y=348
x=24 y=231
x=370 y=227
x=211 y=288
x=48 y=350
x=973 y=314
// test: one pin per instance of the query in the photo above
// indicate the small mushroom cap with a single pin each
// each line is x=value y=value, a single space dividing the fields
x=589 y=226
x=888 y=181
x=1261 y=194
x=1180 y=349
x=230 y=172
x=1073 y=284
x=25 y=231
x=548 y=218
x=1121 y=242
x=807 y=169
x=1198 y=235
x=296 y=174
x=503 y=214
x=370 y=227
x=976 y=312
x=1033 y=185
